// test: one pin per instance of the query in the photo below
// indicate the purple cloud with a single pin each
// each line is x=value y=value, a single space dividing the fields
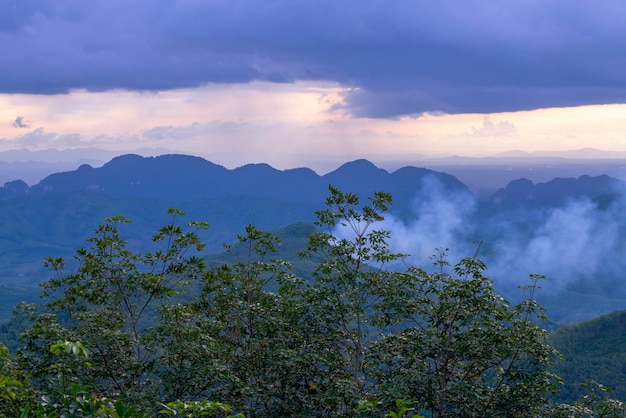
x=400 y=58
x=21 y=123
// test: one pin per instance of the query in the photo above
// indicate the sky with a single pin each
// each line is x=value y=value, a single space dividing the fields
x=294 y=82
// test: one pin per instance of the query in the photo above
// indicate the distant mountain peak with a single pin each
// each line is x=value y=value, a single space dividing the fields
x=84 y=167
x=124 y=159
x=256 y=166
x=358 y=168
x=360 y=164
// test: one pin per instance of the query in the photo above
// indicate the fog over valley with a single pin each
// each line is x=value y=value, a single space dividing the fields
x=568 y=229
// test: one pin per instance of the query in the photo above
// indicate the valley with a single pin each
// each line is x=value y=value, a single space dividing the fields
x=567 y=229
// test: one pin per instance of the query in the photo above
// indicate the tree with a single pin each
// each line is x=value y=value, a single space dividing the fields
x=13 y=390
x=348 y=283
x=243 y=342
x=461 y=350
x=107 y=304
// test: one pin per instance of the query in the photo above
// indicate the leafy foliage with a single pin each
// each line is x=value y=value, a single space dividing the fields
x=349 y=281
x=120 y=337
x=461 y=349
x=596 y=401
x=107 y=305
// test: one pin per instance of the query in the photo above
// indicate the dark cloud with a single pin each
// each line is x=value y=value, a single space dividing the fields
x=21 y=123
x=400 y=58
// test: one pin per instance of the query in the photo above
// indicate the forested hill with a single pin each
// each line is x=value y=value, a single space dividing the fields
x=556 y=192
x=592 y=350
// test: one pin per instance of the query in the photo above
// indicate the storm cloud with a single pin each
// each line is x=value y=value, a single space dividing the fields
x=394 y=58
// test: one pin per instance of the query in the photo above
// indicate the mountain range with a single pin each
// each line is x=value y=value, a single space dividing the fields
x=183 y=177
x=569 y=229
x=188 y=177
x=518 y=224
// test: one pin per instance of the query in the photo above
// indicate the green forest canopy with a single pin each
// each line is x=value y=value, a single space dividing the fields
x=138 y=334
